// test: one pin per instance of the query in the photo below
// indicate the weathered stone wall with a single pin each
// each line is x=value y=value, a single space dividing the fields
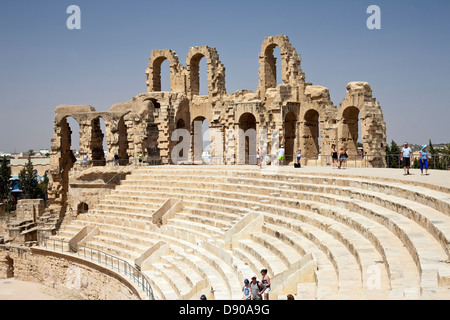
x=302 y=115
x=30 y=209
x=67 y=274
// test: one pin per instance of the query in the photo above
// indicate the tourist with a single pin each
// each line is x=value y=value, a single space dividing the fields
x=256 y=289
x=405 y=157
x=334 y=156
x=281 y=156
x=140 y=158
x=266 y=283
x=299 y=157
x=203 y=297
x=342 y=157
x=258 y=161
x=246 y=290
x=85 y=160
x=423 y=159
x=116 y=159
x=290 y=297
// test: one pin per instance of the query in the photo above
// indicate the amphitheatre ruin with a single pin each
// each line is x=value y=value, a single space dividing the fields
x=165 y=223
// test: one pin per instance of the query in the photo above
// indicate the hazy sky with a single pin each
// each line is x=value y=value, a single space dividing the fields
x=44 y=64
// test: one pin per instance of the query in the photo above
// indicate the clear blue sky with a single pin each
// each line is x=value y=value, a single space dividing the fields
x=44 y=64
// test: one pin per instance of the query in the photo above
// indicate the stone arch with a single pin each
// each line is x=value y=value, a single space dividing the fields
x=247 y=138
x=154 y=70
x=197 y=134
x=97 y=152
x=291 y=72
x=182 y=121
x=349 y=134
x=123 y=142
x=64 y=132
x=311 y=133
x=82 y=208
x=290 y=135
x=215 y=71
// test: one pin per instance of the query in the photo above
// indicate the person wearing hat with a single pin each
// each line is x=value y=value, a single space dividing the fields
x=423 y=159
x=246 y=290
x=405 y=157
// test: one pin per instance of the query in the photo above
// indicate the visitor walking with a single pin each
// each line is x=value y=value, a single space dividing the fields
x=256 y=289
x=281 y=156
x=405 y=157
x=246 y=290
x=266 y=283
x=423 y=159
x=116 y=159
x=334 y=156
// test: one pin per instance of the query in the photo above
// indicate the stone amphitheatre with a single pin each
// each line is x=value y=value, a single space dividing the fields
x=173 y=227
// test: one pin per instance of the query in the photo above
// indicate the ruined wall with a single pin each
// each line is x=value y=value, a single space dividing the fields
x=67 y=274
x=301 y=114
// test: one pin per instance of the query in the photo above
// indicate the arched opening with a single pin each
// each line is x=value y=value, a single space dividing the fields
x=198 y=72
x=70 y=142
x=161 y=74
x=98 y=142
x=181 y=124
x=155 y=102
x=9 y=267
x=165 y=76
x=311 y=134
x=272 y=66
x=247 y=139
x=290 y=125
x=350 y=130
x=82 y=208
x=123 y=143
x=201 y=139
x=151 y=145
x=73 y=136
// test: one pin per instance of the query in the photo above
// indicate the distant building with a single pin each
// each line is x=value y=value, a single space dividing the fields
x=40 y=164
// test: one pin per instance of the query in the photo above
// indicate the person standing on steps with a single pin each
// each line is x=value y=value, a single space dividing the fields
x=281 y=156
x=342 y=157
x=256 y=289
x=334 y=156
x=405 y=157
x=423 y=159
x=266 y=283
x=299 y=157
x=246 y=290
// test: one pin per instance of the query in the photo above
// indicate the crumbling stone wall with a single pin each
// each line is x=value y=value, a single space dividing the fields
x=30 y=209
x=295 y=114
x=67 y=274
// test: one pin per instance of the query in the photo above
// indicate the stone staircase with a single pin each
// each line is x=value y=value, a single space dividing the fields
x=365 y=238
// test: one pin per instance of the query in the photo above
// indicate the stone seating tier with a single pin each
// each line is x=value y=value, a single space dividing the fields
x=371 y=238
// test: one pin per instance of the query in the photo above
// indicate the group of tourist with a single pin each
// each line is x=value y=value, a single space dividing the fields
x=255 y=289
x=406 y=157
x=338 y=158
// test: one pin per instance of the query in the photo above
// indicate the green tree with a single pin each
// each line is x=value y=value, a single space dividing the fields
x=5 y=181
x=28 y=181
x=392 y=155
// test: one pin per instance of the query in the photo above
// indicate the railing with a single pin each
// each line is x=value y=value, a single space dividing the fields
x=102 y=258
x=441 y=162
